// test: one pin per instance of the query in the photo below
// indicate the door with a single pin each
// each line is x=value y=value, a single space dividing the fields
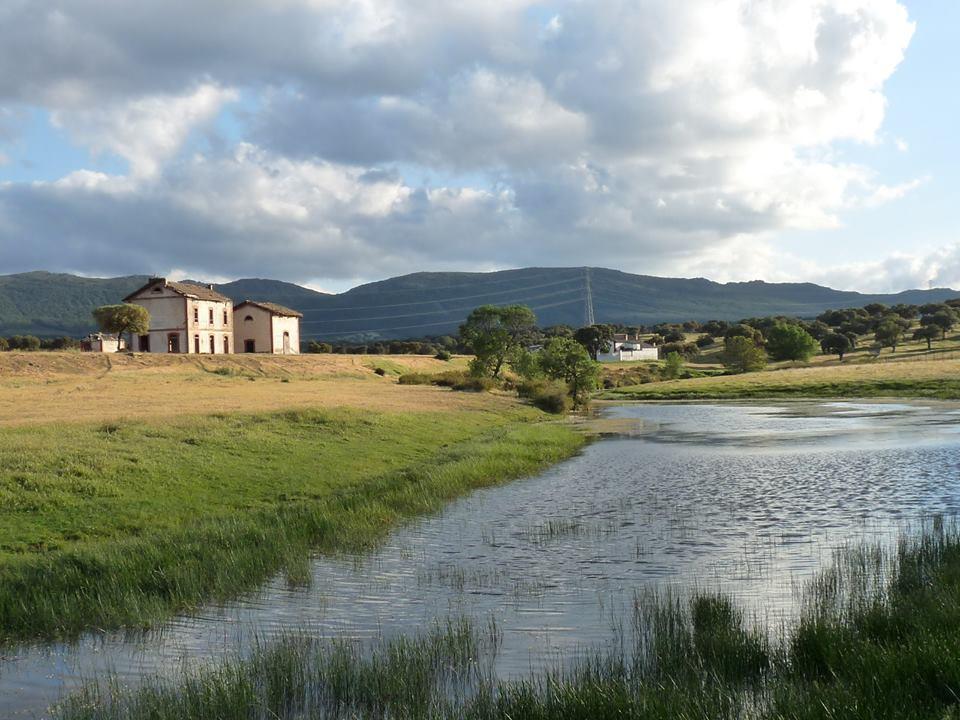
x=196 y=344
x=173 y=343
x=286 y=343
x=213 y=345
x=249 y=346
x=144 y=343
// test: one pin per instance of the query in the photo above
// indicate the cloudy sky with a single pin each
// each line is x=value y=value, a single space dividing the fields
x=331 y=142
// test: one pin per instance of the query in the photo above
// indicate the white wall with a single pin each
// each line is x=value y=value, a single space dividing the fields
x=291 y=325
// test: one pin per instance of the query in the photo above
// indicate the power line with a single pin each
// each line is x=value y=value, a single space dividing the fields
x=440 y=312
x=432 y=324
x=454 y=299
x=590 y=318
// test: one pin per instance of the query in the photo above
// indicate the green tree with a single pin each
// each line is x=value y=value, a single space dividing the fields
x=928 y=333
x=121 y=319
x=4 y=344
x=526 y=364
x=741 y=354
x=672 y=365
x=567 y=360
x=494 y=334
x=595 y=338
x=747 y=331
x=944 y=319
x=790 y=342
x=836 y=344
x=889 y=334
x=315 y=346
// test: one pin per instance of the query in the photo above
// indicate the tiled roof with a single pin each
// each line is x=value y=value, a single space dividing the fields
x=192 y=290
x=272 y=308
x=201 y=292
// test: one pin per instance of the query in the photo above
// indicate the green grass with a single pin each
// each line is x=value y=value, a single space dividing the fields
x=878 y=638
x=122 y=524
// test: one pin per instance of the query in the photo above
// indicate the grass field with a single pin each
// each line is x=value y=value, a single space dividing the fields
x=927 y=378
x=126 y=514
x=70 y=387
x=876 y=639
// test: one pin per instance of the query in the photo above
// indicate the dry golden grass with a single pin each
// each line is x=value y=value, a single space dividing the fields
x=69 y=387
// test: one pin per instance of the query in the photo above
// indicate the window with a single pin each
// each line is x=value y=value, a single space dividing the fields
x=157 y=289
x=226 y=319
x=196 y=314
x=226 y=345
x=211 y=316
x=248 y=318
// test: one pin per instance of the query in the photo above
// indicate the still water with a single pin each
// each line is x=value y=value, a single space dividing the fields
x=747 y=499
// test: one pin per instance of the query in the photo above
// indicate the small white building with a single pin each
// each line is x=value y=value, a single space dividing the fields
x=265 y=327
x=184 y=318
x=625 y=348
x=102 y=343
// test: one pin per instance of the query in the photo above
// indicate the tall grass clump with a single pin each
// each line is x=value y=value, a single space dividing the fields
x=878 y=637
x=551 y=396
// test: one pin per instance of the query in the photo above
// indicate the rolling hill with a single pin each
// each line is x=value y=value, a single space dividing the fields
x=428 y=303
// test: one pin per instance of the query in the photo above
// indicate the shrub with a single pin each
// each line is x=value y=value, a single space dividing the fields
x=416 y=379
x=685 y=350
x=380 y=371
x=443 y=355
x=4 y=345
x=549 y=396
x=24 y=342
x=475 y=384
x=319 y=347
x=704 y=341
x=673 y=366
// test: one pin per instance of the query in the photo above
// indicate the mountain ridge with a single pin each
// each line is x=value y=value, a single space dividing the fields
x=435 y=303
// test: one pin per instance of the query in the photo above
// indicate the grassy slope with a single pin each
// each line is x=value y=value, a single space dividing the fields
x=122 y=523
x=920 y=378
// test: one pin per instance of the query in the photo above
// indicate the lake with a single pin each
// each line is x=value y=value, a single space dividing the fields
x=749 y=499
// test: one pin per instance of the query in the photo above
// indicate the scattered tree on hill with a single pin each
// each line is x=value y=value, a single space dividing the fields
x=944 y=319
x=704 y=341
x=675 y=336
x=567 y=360
x=741 y=354
x=836 y=344
x=319 y=347
x=685 y=350
x=928 y=333
x=494 y=333
x=907 y=312
x=595 y=338
x=23 y=342
x=747 y=331
x=889 y=334
x=558 y=331
x=4 y=345
x=877 y=309
x=673 y=366
x=715 y=327
x=790 y=342
x=122 y=319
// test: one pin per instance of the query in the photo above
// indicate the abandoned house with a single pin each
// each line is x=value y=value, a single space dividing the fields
x=184 y=318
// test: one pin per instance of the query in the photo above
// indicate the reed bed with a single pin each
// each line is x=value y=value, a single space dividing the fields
x=877 y=637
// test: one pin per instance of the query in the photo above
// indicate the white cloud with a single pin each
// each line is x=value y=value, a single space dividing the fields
x=145 y=131
x=387 y=136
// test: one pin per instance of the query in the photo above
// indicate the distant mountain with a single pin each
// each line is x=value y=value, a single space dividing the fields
x=424 y=303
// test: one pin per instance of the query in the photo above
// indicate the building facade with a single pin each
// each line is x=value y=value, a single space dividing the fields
x=625 y=348
x=264 y=327
x=184 y=318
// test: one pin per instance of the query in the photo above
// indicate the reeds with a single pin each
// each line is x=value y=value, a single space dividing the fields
x=877 y=638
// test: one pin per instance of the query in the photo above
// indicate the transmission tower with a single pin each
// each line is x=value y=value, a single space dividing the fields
x=591 y=320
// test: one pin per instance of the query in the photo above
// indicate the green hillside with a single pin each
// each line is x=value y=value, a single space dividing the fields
x=420 y=304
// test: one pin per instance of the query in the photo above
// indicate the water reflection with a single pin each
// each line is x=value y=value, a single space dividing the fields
x=748 y=499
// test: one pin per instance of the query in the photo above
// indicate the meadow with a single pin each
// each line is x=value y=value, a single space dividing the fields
x=148 y=502
x=916 y=377
x=875 y=639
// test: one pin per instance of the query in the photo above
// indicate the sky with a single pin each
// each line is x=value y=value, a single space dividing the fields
x=335 y=142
